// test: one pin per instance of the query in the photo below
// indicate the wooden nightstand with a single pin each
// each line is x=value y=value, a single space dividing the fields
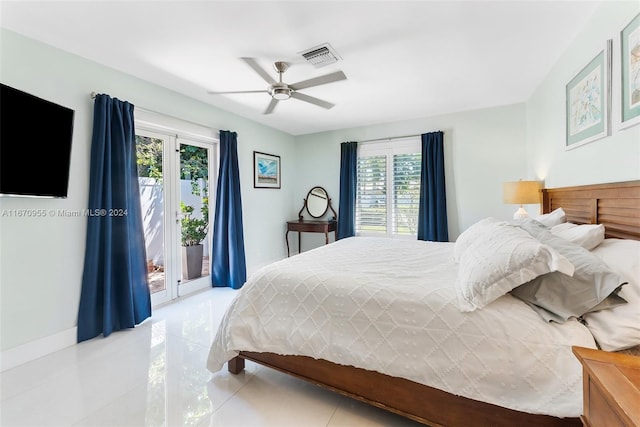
x=611 y=384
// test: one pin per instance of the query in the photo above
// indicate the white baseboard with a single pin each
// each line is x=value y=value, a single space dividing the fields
x=35 y=349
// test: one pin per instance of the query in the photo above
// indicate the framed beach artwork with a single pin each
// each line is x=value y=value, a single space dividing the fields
x=266 y=170
x=630 y=45
x=588 y=101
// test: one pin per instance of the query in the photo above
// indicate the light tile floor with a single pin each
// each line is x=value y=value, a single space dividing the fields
x=155 y=375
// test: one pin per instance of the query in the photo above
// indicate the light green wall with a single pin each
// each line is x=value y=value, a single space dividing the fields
x=611 y=159
x=41 y=259
x=483 y=148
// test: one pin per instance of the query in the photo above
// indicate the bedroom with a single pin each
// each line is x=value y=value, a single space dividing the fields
x=527 y=134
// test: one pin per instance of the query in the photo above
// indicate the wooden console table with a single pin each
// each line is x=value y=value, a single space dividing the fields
x=611 y=384
x=304 y=226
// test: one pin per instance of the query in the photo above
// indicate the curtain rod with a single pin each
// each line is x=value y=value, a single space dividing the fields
x=146 y=110
x=94 y=94
x=391 y=138
x=387 y=139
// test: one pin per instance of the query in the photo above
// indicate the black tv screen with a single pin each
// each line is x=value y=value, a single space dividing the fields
x=35 y=145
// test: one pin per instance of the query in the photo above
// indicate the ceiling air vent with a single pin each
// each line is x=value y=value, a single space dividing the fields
x=320 y=56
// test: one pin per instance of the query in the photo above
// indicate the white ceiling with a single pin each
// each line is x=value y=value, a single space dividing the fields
x=403 y=59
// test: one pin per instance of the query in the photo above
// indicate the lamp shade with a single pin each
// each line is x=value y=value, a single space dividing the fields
x=521 y=192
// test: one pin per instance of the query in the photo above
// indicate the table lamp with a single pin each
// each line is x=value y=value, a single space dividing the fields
x=521 y=193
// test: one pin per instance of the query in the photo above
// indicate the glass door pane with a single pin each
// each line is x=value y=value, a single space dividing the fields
x=195 y=223
x=150 y=159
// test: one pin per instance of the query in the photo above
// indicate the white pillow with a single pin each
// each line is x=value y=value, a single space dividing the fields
x=501 y=258
x=472 y=234
x=588 y=235
x=556 y=217
x=619 y=327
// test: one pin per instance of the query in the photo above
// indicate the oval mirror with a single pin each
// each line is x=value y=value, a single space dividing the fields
x=317 y=202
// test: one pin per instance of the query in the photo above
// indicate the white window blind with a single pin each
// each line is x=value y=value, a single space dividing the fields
x=406 y=193
x=371 y=196
x=388 y=188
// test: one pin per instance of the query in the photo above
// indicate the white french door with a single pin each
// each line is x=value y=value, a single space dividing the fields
x=177 y=189
x=195 y=215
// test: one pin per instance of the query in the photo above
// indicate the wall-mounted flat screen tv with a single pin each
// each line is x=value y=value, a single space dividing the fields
x=35 y=145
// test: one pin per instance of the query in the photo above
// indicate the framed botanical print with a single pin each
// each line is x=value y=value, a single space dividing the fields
x=588 y=101
x=630 y=58
x=266 y=170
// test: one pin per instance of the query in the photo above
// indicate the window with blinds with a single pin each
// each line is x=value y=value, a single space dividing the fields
x=371 y=196
x=388 y=188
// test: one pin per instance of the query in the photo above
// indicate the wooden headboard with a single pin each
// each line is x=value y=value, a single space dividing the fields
x=615 y=205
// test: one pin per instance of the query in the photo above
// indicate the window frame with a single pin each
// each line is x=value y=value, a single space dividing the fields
x=388 y=148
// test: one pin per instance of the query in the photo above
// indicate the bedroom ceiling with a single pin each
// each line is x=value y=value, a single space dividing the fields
x=402 y=59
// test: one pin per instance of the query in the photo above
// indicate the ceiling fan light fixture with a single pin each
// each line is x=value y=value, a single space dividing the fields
x=281 y=93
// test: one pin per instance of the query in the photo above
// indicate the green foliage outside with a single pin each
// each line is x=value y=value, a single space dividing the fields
x=149 y=157
x=194 y=230
x=194 y=163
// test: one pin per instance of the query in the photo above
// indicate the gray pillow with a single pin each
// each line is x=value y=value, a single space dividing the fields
x=556 y=296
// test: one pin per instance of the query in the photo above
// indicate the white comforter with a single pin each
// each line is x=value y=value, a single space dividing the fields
x=390 y=306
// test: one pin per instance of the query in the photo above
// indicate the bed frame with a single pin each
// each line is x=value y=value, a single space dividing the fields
x=616 y=205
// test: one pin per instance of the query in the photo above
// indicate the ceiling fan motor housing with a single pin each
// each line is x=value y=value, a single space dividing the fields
x=280 y=66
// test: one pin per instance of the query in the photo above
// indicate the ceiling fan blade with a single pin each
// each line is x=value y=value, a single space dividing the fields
x=312 y=100
x=271 y=106
x=317 y=81
x=237 y=91
x=251 y=62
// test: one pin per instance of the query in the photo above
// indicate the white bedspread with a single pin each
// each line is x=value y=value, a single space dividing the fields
x=390 y=306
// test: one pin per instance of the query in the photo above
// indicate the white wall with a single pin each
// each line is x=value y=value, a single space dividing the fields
x=611 y=159
x=483 y=148
x=41 y=259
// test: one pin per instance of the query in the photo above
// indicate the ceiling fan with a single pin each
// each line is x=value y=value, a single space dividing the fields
x=280 y=91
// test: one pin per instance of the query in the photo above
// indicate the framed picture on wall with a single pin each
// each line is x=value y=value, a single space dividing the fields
x=266 y=170
x=630 y=58
x=588 y=101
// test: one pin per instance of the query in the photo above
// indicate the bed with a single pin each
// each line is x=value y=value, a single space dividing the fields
x=391 y=380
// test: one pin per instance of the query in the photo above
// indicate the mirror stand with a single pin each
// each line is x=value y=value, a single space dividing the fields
x=317 y=204
x=304 y=206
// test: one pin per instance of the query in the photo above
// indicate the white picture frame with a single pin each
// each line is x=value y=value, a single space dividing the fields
x=588 y=101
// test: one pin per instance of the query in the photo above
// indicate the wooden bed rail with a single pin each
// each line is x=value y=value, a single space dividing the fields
x=418 y=402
